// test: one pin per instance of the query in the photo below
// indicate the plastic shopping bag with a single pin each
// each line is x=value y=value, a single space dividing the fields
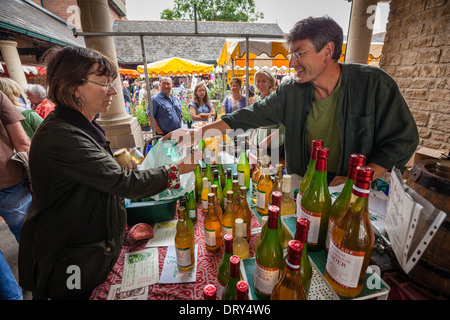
x=167 y=152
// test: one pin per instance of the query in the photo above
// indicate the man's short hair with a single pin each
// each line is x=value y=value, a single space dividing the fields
x=320 y=30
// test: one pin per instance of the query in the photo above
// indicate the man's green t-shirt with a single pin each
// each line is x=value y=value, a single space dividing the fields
x=322 y=124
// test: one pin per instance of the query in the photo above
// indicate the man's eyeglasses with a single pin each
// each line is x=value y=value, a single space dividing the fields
x=107 y=86
x=296 y=55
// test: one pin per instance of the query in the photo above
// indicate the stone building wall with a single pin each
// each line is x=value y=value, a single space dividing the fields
x=416 y=54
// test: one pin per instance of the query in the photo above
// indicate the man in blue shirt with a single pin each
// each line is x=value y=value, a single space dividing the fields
x=166 y=108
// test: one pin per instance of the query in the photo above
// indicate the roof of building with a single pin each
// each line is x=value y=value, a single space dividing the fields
x=203 y=49
x=29 y=19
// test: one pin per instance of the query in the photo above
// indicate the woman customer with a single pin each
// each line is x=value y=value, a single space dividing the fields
x=12 y=91
x=74 y=230
x=200 y=107
x=271 y=137
x=236 y=100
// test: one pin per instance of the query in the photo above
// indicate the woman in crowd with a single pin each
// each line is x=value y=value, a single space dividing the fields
x=12 y=91
x=77 y=219
x=237 y=100
x=201 y=107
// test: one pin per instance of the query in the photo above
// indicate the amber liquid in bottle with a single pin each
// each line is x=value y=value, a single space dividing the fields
x=240 y=245
x=204 y=195
x=184 y=243
x=217 y=206
x=264 y=188
x=213 y=227
x=228 y=216
x=352 y=241
x=244 y=213
x=256 y=174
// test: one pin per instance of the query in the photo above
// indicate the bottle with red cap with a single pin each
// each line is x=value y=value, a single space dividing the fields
x=223 y=273
x=290 y=286
x=301 y=234
x=352 y=240
x=340 y=204
x=276 y=201
x=316 y=202
x=269 y=257
x=242 y=290
x=209 y=292
x=230 y=290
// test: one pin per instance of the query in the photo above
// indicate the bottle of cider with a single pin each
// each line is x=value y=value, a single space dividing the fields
x=198 y=183
x=340 y=204
x=287 y=205
x=208 y=172
x=301 y=234
x=190 y=224
x=240 y=245
x=228 y=183
x=223 y=273
x=222 y=176
x=243 y=168
x=209 y=292
x=352 y=240
x=264 y=187
x=259 y=237
x=304 y=183
x=192 y=207
x=256 y=174
x=278 y=181
x=217 y=206
x=276 y=199
x=236 y=195
x=230 y=290
x=219 y=189
x=184 y=243
x=206 y=190
x=268 y=258
x=228 y=216
x=244 y=213
x=213 y=227
x=242 y=290
x=316 y=203
x=290 y=286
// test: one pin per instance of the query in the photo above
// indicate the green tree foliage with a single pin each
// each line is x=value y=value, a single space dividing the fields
x=213 y=10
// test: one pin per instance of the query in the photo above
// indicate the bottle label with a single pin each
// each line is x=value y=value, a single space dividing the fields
x=205 y=205
x=344 y=265
x=192 y=213
x=314 y=224
x=254 y=190
x=241 y=178
x=183 y=257
x=210 y=238
x=265 y=279
x=226 y=230
x=261 y=200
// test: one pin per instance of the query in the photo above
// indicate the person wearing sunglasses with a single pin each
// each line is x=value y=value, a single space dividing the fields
x=353 y=108
x=77 y=219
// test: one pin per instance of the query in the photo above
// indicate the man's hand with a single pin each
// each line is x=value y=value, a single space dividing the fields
x=189 y=162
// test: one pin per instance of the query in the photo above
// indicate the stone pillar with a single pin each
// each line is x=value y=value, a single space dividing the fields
x=360 y=33
x=12 y=61
x=122 y=130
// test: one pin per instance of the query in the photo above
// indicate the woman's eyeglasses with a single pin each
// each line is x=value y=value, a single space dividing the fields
x=107 y=86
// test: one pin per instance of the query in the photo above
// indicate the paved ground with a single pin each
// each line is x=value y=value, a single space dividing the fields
x=10 y=249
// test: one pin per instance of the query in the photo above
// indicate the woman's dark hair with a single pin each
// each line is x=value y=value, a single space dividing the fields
x=320 y=31
x=196 y=97
x=68 y=67
x=237 y=80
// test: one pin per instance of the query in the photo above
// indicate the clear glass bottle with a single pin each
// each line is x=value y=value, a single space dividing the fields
x=316 y=203
x=290 y=286
x=184 y=243
x=264 y=187
x=352 y=241
x=240 y=245
x=242 y=290
x=243 y=168
x=230 y=290
x=223 y=272
x=256 y=173
x=213 y=227
x=340 y=204
x=244 y=213
x=228 y=216
x=268 y=258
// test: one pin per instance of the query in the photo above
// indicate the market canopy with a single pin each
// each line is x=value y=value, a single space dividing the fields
x=128 y=72
x=176 y=66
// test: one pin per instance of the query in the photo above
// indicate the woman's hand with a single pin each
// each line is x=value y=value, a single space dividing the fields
x=189 y=162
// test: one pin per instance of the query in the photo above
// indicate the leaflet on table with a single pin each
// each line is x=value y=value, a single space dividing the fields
x=115 y=293
x=140 y=269
x=411 y=222
x=164 y=234
x=170 y=272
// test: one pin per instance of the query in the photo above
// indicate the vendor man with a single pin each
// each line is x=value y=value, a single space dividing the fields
x=353 y=108
x=166 y=108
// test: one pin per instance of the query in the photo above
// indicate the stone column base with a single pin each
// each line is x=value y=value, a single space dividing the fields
x=126 y=134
